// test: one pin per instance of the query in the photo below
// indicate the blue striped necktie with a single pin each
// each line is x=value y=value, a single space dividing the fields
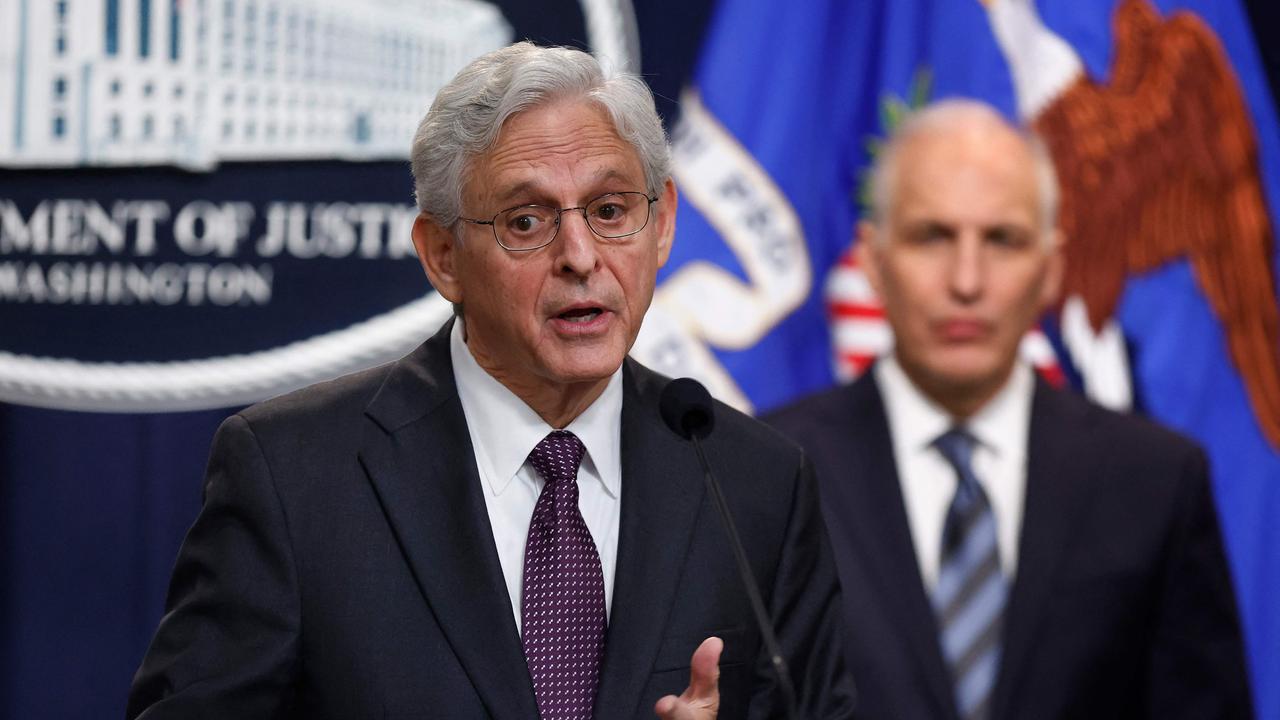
x=970 y=597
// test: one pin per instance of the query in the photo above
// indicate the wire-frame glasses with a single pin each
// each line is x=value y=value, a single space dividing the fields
x=610 y=216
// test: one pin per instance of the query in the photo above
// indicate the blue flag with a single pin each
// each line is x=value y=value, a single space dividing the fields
x=771 y=152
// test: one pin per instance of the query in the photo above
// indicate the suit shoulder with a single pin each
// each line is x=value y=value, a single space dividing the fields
x=824 y=408
x=306 y=435
x=749 y=432
x=1130 y=435
x=320 y=404
x=733 y=428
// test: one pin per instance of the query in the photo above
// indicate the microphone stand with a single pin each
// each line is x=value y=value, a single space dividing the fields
x=749 y=581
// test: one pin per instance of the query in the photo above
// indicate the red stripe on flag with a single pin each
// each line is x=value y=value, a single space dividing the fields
x=855 y=310
x=856 y=361
x=1053 y=375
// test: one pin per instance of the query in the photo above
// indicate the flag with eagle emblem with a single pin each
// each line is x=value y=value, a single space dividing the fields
x=1165 y=136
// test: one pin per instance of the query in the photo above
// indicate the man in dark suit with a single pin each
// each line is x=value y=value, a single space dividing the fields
x=1006 y=550
x=499 y=525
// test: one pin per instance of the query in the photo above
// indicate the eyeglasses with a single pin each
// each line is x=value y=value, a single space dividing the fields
x=610 y=216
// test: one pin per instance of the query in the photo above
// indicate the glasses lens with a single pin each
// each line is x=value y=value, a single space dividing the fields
x=618 y=214
x=525 y=227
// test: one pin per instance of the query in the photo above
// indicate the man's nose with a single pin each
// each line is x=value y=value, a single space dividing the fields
x=579 y=252
x=968 y=269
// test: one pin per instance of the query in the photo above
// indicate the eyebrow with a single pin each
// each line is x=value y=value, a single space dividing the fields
x=531 y=187
x=523 y=188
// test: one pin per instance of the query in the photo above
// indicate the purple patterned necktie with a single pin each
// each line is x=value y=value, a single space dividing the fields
x=562 y=608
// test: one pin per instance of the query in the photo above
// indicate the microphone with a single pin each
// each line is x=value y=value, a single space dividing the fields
x=686 y=408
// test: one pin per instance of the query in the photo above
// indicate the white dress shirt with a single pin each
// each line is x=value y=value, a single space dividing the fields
x=504 y=430
x=928 y=480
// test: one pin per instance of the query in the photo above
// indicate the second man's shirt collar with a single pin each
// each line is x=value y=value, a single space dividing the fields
x=1001 y=424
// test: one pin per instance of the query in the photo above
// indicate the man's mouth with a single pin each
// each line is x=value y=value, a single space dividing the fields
x=580 y=315
x=963 y=330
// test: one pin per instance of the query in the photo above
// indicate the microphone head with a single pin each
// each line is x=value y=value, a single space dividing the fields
x=686 y=408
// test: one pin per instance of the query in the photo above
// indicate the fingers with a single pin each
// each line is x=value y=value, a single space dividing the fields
x=704 y=673
x=674 y=708
x=701 y=700
x=669 y=708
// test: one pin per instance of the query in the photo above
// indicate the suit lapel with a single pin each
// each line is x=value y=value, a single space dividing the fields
x=881 y=533
x=661 y=492
x=418 y=455
x=1058 y=485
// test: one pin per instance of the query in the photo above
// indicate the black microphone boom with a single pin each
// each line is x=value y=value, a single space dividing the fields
x=687 y=409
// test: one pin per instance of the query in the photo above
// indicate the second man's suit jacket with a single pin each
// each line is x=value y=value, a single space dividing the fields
x=343 y=566
x=1122 y=605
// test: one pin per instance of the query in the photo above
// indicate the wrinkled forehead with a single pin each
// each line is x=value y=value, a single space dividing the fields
x=558 y=149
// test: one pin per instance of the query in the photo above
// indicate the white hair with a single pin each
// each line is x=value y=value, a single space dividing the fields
x=947 y=115
x=468 y=113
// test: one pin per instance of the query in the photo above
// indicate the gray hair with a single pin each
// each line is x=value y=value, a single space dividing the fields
x=468 y=113
x=950 y=113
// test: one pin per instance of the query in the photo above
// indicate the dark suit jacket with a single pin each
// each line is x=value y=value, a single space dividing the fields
x=1122 y=606
x=343 y=565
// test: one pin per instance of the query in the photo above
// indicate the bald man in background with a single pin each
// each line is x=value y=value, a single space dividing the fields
x=1006 y=550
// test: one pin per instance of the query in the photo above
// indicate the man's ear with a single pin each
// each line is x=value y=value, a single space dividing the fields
x=666 y=220
x=1054 y=272
x=867 y=253
x=437 y=251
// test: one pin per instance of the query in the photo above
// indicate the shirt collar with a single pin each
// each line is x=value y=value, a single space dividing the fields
x=916 y=421
x=1002 y=425
x=505 y=430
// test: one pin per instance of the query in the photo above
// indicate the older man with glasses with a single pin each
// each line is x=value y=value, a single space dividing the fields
x=499 y=525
